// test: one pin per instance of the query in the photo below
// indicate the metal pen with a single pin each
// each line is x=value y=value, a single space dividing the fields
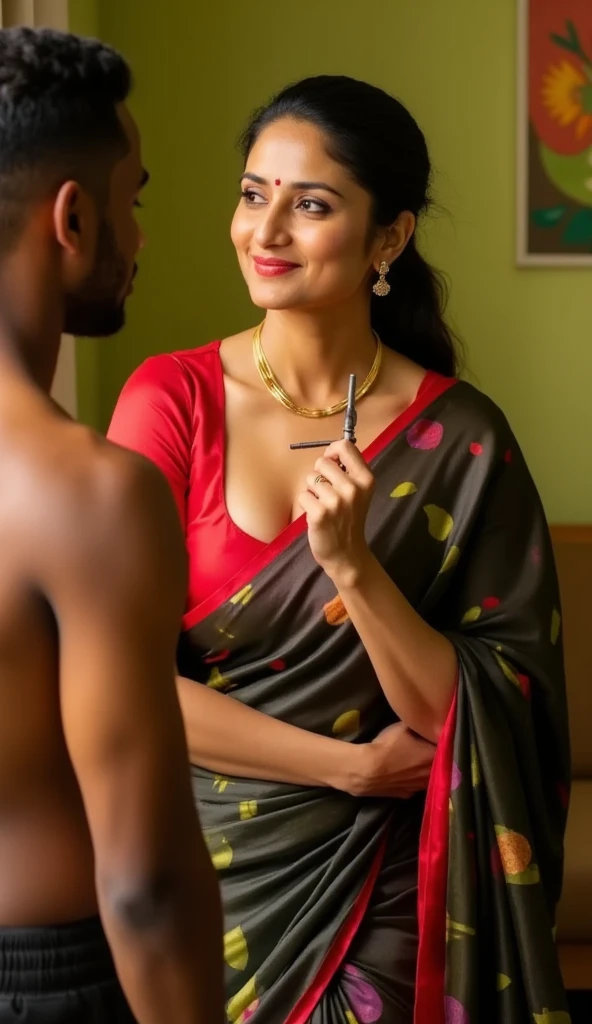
x=349 y=424
x=351 y=416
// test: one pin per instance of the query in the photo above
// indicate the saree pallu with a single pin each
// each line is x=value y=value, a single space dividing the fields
x=319 y=888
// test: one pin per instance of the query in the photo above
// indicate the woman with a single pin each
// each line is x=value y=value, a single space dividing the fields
x=350 y=608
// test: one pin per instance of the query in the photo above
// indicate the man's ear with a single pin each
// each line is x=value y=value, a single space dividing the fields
x=75 y=225
x=74 y=219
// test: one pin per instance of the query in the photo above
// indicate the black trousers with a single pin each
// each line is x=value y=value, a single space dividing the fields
x=61 y=975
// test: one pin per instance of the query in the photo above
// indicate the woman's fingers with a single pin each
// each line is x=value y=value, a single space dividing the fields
x=309 y=503
x=330 y=485
x=347 y=454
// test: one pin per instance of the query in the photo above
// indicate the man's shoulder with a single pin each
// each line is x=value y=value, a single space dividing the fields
x=80 y=518
x=78 y=465
x=88 y=494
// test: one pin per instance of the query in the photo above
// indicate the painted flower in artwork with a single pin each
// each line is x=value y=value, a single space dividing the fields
x=560 y=81
x=567 y=95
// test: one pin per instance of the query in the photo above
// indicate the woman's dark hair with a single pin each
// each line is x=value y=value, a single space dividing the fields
x=377 y=140
x=58 y=118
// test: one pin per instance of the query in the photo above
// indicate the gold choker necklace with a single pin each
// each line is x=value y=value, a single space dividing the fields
x=275 y=388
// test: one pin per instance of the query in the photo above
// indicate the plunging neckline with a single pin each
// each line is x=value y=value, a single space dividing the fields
x=430 y=388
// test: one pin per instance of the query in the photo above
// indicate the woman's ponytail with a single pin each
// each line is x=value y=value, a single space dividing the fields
x=410 y=319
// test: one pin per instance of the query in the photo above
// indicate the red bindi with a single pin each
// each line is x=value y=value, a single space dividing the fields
x=278 y=181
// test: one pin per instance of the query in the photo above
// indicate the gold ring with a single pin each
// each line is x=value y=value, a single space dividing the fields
x=320 y=479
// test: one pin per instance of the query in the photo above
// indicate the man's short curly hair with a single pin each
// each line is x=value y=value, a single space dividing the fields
x=58 y=118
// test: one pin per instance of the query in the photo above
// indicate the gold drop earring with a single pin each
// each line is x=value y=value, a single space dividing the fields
x=382 y=287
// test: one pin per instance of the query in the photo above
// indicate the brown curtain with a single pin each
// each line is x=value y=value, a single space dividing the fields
x=53 y=13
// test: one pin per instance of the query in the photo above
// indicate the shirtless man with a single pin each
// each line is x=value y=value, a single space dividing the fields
x=96 y=810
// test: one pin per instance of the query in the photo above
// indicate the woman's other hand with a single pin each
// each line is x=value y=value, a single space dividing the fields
x=396 y=764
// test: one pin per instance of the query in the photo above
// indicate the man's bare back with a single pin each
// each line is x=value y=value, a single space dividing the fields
x=46 y=854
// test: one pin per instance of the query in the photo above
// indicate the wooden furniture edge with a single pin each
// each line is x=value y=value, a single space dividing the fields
x=576 y=965
x=568 y=533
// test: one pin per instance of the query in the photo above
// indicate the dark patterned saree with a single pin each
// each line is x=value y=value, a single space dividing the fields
x=320 y=889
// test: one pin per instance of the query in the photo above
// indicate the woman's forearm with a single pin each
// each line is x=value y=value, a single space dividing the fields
x=416 y=666
x=229 y=738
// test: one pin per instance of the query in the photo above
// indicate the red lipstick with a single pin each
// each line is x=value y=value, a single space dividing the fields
x=273 y=267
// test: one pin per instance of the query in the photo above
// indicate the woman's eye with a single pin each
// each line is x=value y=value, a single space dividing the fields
x=313 y=206
x=252 y=198
x=138 y=204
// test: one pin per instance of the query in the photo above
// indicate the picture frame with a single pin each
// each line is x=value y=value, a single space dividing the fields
x=554 y=133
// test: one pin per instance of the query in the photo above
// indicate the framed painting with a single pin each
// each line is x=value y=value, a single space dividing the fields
x=554 y=208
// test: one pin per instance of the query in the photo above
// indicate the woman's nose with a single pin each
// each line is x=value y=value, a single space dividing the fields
x=272 y=227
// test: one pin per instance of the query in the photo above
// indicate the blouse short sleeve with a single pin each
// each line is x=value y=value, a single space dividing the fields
x=154 y=417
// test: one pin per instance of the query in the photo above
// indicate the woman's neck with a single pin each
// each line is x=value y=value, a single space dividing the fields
x=312 y=353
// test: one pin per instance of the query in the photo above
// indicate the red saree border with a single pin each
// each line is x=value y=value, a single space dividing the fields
x=302 y=1011
x=432 y=884
x=434 y=386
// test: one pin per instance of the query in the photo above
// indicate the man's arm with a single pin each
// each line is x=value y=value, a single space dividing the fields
x=116 y=582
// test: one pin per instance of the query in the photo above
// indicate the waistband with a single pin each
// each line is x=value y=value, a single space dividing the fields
x=46 y=961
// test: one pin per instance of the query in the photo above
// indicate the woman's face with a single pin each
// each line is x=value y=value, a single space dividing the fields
x=301 y=230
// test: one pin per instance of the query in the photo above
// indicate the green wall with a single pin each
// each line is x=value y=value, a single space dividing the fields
x=201 y=68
